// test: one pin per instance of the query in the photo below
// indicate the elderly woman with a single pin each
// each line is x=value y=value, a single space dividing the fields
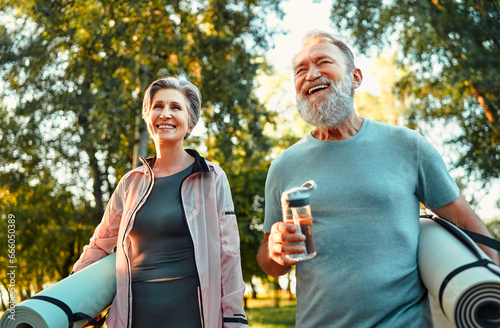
x=173 y=224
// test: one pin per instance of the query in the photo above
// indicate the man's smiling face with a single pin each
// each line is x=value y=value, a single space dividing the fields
x=321 y=59
x=324 y=89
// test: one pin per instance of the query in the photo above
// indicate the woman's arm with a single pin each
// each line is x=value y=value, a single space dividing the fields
x=233 y=286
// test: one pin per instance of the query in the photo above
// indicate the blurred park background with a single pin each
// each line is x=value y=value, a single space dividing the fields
x=73 y=74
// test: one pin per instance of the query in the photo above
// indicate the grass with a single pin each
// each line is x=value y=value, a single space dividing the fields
x=262 y=313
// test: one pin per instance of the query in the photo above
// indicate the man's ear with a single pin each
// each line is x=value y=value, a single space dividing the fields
x=357 y=77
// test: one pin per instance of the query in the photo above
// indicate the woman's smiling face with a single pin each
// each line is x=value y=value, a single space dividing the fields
x=168 y=118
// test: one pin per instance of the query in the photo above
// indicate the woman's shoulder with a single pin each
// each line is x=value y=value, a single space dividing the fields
x=134 y=175
x=214 y=168
x=136 y=172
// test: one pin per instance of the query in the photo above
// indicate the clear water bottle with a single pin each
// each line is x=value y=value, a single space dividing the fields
x=296 y=210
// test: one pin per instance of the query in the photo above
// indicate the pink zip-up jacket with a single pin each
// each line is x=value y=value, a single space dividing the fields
x=208 y=205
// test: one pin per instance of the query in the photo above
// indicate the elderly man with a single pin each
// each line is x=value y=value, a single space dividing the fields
x=371 y=178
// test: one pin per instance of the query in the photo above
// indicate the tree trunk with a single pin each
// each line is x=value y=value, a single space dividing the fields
x=88 y=147
x=277 y=292
x=490 y=114
x=254 y=291
x=289 y=285
x=141 y=134
x=140 y=142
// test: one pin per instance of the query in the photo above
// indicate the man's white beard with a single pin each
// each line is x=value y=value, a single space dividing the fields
x=329 y=111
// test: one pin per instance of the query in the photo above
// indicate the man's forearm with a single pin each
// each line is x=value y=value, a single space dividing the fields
x=481 y=229
x=460 y=213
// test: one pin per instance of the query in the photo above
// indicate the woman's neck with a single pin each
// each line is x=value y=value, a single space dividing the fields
x=171 y=160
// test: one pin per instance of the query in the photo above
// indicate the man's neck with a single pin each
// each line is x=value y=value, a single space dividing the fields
x=345 y=131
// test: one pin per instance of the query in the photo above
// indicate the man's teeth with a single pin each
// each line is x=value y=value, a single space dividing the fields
x=316 y=88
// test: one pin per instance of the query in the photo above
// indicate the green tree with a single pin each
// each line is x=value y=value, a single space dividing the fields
x=385 y=106
x=77 y=71
x=48 y=233
x=451 y=50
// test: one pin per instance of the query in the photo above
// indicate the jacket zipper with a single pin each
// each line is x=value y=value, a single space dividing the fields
x=129 y=288
x=200 y=298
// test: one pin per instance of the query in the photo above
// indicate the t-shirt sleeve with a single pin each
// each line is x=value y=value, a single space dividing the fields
x=436 y=187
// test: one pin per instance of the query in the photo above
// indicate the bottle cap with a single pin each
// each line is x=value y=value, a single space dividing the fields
x=299 y=196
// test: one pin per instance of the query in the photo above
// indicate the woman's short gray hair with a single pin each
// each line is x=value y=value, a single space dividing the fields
x=315 y=36
x=188 y=89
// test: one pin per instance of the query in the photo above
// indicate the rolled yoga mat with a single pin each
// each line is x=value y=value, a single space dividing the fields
x=69 y=302
x=459 y=275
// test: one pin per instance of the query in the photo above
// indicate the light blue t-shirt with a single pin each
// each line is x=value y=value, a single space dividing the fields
x=366 y=224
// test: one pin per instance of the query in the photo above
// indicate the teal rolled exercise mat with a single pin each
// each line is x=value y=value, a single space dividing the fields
x=71 y=302
x=459 y=275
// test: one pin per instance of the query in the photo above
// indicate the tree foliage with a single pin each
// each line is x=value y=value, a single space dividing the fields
x=48 y=229
x=77 y=71
x=451 y=51
x=384 y=106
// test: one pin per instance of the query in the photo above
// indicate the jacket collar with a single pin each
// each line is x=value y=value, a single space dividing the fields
x=200 y=165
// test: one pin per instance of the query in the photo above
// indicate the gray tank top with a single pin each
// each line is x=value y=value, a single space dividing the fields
x=161 y=243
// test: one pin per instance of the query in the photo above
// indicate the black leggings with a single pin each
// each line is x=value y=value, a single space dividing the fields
x=171 y=303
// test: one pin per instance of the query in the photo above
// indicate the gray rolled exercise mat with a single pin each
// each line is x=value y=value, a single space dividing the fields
x=459 y=275
x=70 y=302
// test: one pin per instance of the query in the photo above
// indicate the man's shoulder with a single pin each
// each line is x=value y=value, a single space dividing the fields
x=295 y=149
x=395 y=131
